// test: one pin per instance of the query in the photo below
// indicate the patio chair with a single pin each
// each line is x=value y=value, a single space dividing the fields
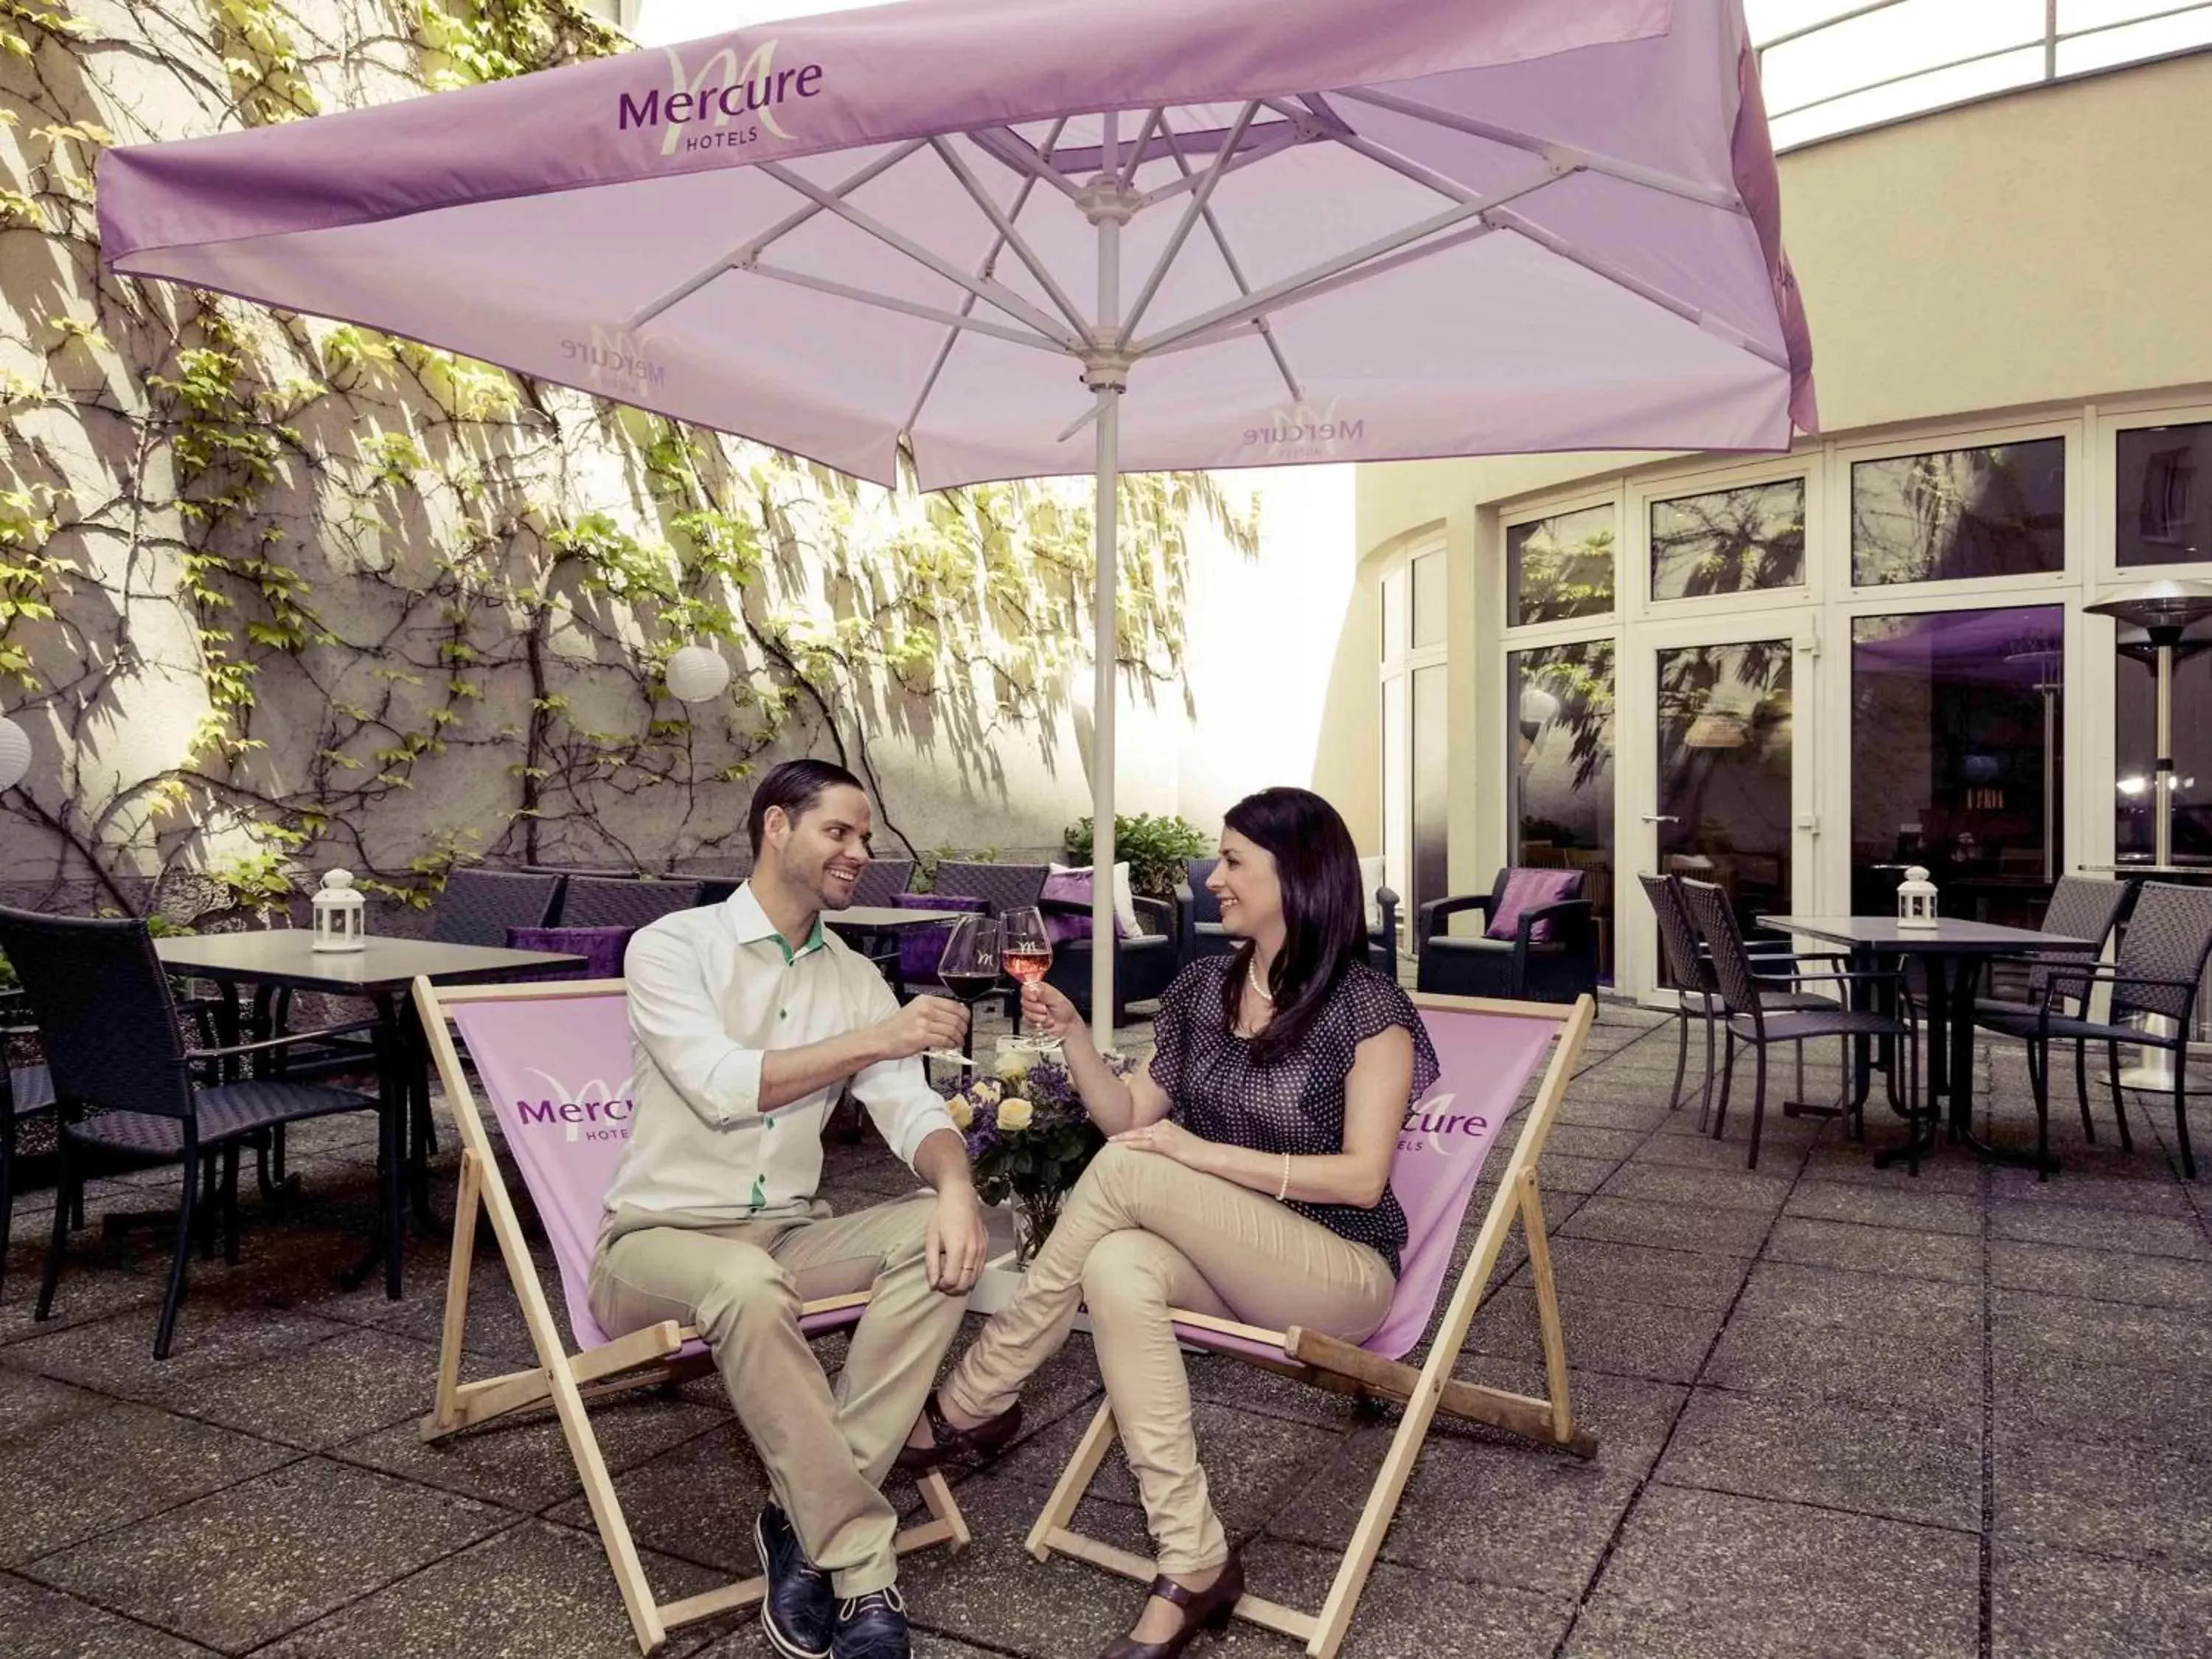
x=1539 y=941
x=1690 y=968
x=1489 y=1051
x=25 y=1091
x=1002 y=887
x=1762 y=1012
x=882 y=881
x=1144 y=964
x=555 y=1062
x=2160 y=965
x=622 y=901
x=107 y=1019
x=479 y=906
x=2081 y=907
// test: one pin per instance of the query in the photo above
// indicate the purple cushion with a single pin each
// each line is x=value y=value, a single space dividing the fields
x=601 y=948
x=1071 y=887
x=921 y=949
x=1531 y=889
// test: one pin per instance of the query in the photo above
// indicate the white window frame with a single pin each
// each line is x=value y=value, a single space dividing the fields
x=1400 y=659
x=1644 y=493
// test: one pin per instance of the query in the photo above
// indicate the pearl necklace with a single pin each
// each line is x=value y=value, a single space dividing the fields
x=1252 y=977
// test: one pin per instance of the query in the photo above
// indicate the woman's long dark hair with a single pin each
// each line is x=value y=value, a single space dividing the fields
x=1324 y=918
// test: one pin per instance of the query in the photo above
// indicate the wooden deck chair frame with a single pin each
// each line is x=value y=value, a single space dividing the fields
x=1342 y=1368
x=644 y=1359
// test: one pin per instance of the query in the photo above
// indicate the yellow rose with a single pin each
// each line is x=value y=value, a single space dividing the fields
x=986 y=1093
x=1013 y=1067
x=1015 y=1114
x=963 y=1114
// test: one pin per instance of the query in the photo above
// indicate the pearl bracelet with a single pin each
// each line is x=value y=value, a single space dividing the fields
x=1283 y=1191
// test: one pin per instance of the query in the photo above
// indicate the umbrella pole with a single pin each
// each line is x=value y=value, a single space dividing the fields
x=1105 y=373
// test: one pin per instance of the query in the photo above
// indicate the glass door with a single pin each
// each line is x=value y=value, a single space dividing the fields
x=1724 y=791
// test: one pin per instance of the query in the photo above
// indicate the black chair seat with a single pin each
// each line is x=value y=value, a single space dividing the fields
x=2025 y=1020
x=227 y=1112
x=31 y=1088
x=1829 y=1021
x=1447 y=944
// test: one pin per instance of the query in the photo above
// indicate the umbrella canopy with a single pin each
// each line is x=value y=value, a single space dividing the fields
x=1295 y=230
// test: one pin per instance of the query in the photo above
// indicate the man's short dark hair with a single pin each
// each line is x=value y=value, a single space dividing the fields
x=795 y=786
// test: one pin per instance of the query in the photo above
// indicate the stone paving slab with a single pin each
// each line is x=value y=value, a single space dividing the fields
x=1789 y=1371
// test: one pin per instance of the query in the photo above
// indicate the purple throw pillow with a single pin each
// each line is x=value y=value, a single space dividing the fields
x=1071 y=887
x=1531 y=889
x=601 y=948
x=921 y=949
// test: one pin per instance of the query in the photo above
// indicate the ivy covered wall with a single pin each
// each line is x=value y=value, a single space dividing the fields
x=276 y=593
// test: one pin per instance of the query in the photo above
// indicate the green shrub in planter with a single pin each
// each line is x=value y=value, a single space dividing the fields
x=1156 y=848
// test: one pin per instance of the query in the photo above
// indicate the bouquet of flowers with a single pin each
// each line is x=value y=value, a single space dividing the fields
x=1029 y=1140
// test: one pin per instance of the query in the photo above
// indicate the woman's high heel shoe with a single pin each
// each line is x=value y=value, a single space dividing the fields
x=982 y=1443
x=1210 y=1608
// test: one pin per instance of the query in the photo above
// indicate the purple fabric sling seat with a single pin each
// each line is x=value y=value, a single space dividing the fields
x=556 y=1064
x=1488 y=1053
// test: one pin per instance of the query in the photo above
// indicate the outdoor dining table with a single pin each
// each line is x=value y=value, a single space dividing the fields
x=885 y=918
x=381 y=972
x=1951 y=954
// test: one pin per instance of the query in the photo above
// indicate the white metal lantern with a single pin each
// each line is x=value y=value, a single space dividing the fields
x=1916 y=899
x=338 y=913
x=15 y=753
x=696 y=674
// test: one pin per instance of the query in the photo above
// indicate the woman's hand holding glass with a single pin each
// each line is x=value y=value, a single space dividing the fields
x=1047 y=1009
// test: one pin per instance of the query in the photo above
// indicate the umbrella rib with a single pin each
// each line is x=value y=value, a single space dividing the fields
x=1719 y=327
x=1008 y=148
x=909 y=307
x=1596 y=162
x=997 y=294
x=1227 y=329
x=967 y=304
x=1236 y=269
x=1157 y=117
x=1361 y=261
x=1383 y=155
x=1009 y=237
x=746 y=252
x=1201 y=193
x=1272 y=144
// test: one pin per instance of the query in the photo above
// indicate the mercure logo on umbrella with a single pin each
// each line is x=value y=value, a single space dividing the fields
x=615 y=359
x=1299 y=430
x=723 y=104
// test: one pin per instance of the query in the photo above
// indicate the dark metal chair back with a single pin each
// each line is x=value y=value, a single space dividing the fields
x=2169 y=937
x=1204 y=907
x=1002 y=887
x=479 y=906
x=2081 y=907
x=105 y=1013
x=1678 y=934
x=1715 y=918
x=621 y=901
x=882 y=881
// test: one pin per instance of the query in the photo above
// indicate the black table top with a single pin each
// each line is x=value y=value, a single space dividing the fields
x=1949 y=936
x=885 y=918
x=287 y=957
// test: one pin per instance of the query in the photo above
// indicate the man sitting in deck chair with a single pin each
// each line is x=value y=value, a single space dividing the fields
x=746 y=1019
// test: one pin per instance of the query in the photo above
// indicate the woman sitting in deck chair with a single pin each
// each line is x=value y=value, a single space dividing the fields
x=1247 y=1177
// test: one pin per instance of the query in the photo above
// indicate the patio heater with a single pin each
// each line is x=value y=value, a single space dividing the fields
x=2165 y=610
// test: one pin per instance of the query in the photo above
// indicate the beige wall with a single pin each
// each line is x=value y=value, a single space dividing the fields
x=2048 y=247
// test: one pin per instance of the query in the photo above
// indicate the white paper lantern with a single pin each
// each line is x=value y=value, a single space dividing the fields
x=696 y=674
x=15 y=753
x=1538 y=706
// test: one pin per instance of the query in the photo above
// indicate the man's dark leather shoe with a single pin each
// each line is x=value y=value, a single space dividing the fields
x=800 y=1610
x=871 y=1626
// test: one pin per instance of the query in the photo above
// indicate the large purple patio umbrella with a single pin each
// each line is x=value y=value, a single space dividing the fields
x=1290 y=230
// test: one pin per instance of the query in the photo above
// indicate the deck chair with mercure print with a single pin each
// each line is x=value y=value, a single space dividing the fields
x=555 y=1060
x=1487 y=1051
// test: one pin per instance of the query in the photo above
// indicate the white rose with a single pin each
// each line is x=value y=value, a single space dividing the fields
x=963 y=1114
x=1015 y=1114
x=986 y=1093
x=1014 y=1066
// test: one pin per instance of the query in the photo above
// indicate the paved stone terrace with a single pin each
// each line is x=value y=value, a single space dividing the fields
x=1842 y=1412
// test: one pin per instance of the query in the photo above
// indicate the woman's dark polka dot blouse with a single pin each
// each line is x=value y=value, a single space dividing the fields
x=1295 y=1105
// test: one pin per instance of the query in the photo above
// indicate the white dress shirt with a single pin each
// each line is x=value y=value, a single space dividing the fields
x=711 y=990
